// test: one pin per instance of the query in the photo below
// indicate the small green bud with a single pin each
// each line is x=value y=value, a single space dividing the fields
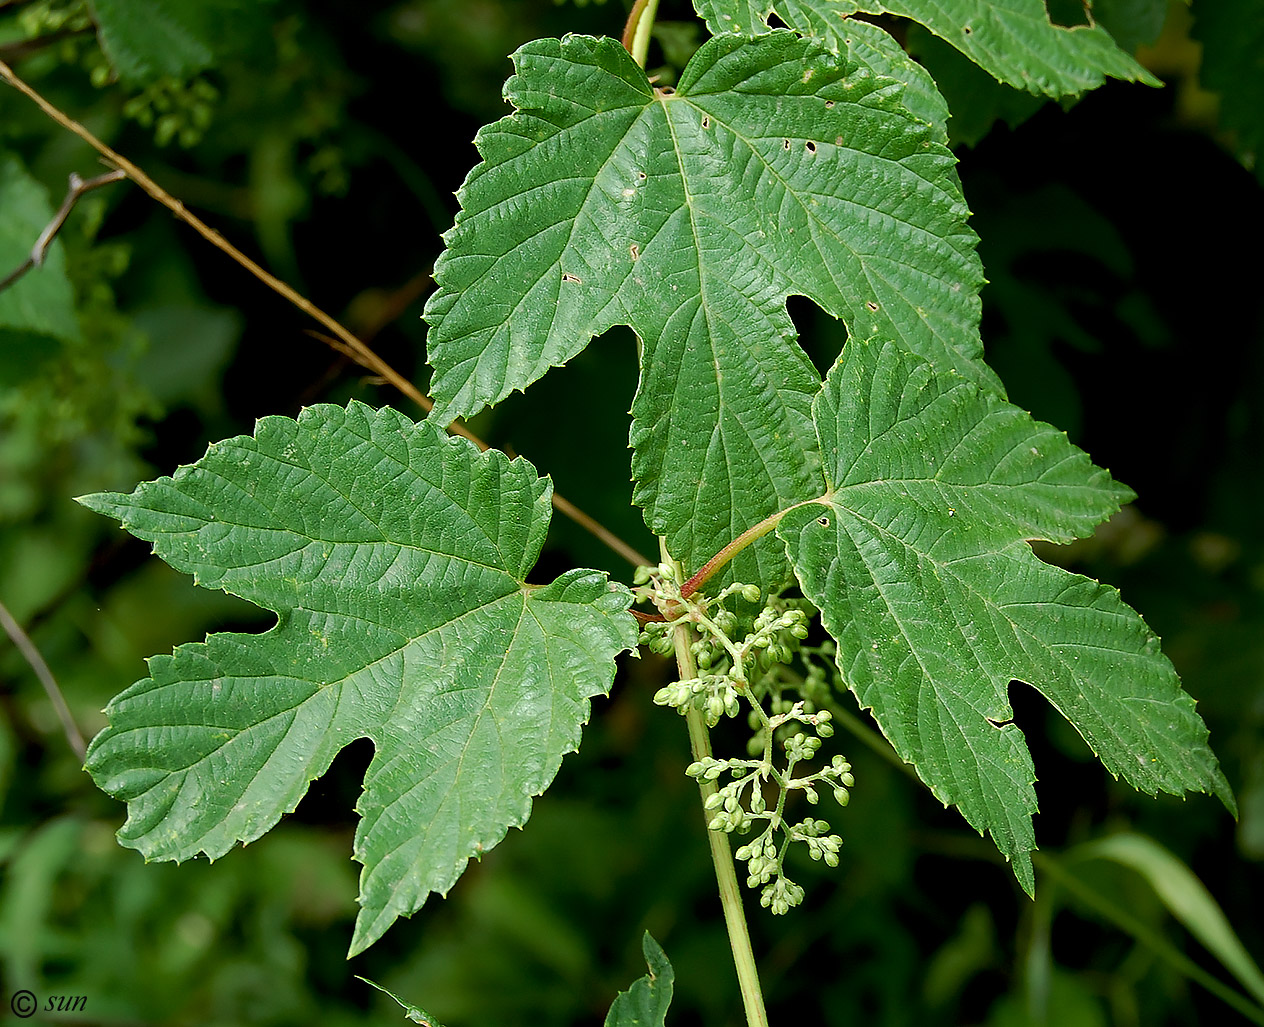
x=641 y=575
x=750 y=593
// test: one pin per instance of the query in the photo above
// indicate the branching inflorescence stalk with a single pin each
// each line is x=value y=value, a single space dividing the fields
x=721 y=854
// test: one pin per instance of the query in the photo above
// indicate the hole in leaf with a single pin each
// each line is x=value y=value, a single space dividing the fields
x=785 y=143
x=568 y=277
x=824 y=522
x=998 y=724
x=810 y=146
x=640 y=175
x=635 y=250
x=665 y=91
x=872 y=306
x=330 y=800
x=706 y=121
x=967 y=30
x=1068 y=13
x=829 y=104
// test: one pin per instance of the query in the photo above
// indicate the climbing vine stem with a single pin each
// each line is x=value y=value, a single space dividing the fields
x=721 y=852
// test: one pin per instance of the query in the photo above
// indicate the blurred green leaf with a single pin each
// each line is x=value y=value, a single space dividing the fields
x=645 y=1003
x=1185 y=896
x=147 y=39
x=1232 y=36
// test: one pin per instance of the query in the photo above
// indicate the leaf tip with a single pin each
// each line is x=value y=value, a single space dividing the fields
x=108 y=504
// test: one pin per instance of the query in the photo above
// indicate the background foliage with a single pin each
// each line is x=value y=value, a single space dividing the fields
x=326 y=139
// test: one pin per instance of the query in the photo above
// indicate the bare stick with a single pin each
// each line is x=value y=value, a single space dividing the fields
x=78 y=187
x=32 y=656
x=361 y=353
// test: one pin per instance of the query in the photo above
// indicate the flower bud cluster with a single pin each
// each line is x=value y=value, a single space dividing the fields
x=753 y=669
x=712 y=694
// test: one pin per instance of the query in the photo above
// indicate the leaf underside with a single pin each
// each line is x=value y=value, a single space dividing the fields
x=919 y=562
x=1013 y=40
x=395 y=559
x=775 y=167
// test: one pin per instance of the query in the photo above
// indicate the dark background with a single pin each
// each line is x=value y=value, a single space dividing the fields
x=1120 y=235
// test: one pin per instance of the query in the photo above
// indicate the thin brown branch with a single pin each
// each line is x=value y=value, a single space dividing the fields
x=32 y=656
x=39 y=252
x=362 y=354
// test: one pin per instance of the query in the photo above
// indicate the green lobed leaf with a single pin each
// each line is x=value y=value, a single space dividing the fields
x=918 y=560
x=1013 y=40
x=1132 y=23
x=869 y=44
x=976 y=99
x=645 y=1003
x=395 y=558
x=42 y=302
x=775 y=167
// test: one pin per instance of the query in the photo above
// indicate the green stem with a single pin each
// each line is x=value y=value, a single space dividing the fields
x=721 y=852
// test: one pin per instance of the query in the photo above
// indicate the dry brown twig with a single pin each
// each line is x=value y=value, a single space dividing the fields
x=32 y=656
x=39 y=252
x=350 y=344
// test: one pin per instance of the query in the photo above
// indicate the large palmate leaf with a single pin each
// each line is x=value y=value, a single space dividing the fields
x=775 y=167
x=918 y=559
x=395 y=558
x=1013 y=40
